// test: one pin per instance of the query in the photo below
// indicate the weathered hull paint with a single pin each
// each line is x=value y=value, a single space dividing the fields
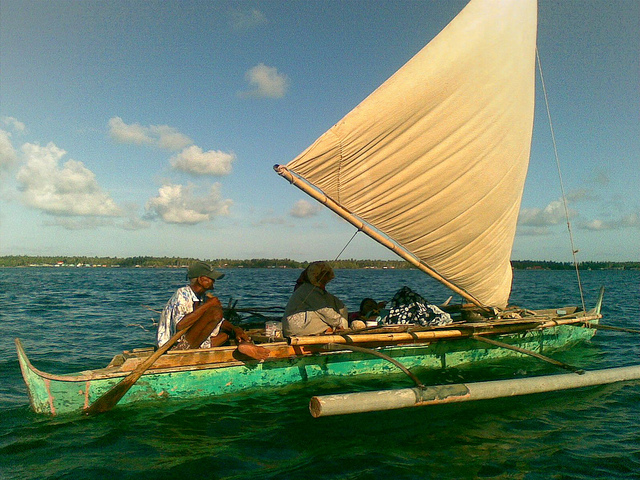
x=61 y=394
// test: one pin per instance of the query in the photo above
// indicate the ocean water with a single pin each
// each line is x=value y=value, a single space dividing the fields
x=72 y=319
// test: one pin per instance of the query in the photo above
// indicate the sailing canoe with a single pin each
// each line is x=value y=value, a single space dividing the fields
x=222 y=370
x=432 y=165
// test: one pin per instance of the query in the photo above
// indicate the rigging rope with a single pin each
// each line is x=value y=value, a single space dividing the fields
x=564 y=198
x=345 y=247
x=335 y=260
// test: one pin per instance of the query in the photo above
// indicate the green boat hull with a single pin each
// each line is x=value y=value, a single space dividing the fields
x=62 y=394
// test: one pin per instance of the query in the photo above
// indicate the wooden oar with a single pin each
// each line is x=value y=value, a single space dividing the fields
x=529 y=352
x=107 y=401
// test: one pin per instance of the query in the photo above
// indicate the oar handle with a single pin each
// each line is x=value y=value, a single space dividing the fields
x=159 y=352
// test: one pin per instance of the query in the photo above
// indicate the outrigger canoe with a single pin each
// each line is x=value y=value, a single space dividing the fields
x=431 y=165
x=218 y=371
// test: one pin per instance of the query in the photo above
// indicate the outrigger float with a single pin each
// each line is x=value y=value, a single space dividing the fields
x=431 y=165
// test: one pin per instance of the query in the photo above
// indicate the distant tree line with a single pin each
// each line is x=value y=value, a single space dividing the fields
x=181 y=262
x=175 y=262
x=548 y=265
x=25 y=261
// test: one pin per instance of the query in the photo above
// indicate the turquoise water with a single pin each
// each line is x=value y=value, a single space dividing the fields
x=74 y=319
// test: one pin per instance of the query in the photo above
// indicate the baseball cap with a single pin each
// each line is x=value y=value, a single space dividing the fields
x=202 y=269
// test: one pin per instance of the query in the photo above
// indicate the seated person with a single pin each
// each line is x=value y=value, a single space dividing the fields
x=311 y=309
x=369 y=310
x=208 y=328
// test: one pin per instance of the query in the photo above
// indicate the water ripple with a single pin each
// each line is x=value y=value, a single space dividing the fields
x=73 y=319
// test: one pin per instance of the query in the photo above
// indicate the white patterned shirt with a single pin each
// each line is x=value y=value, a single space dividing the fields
x=179 y=305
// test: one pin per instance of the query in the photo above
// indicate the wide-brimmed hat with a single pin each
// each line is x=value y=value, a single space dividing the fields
x=319 y=273
x=201 y=269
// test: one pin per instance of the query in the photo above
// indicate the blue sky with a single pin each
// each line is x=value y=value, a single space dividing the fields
x=151 y=127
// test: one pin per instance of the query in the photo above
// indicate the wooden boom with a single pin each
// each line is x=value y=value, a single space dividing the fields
x=374 y=234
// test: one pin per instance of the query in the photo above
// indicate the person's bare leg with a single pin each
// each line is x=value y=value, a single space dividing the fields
x=203 y=327
x=219 y=339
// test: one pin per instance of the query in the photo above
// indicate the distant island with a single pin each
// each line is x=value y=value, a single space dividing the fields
x=182 y=262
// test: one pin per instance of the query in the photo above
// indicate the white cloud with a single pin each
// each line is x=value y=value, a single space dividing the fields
x=131 y=219
x=169 y=138
x=266 y=82
x=631 y=220
x=161 y=136
x=7 y=153
x=193 y=160
x=68 y=189
x=177 y=204
x=14 y=124
x=552 y=214
x=244 y=20
x=595 y=225
x=123 y=133
x=304 y=209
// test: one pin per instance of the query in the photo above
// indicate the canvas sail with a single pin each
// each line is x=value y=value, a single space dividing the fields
x=436 y=157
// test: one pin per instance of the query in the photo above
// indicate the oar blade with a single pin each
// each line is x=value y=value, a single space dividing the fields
x=109 y=400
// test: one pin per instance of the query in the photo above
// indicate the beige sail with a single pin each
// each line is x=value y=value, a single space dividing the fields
x=436 y=157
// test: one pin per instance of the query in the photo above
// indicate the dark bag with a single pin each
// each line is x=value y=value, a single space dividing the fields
x=407 y=307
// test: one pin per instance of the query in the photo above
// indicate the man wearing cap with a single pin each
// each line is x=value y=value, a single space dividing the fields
x=204 y=317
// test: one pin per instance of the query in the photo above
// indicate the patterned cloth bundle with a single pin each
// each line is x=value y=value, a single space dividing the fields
x=408 y=307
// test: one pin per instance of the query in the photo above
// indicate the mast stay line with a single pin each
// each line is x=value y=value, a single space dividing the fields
x=363 y=227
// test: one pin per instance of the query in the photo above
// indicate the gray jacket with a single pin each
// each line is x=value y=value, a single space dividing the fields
x=311 y=311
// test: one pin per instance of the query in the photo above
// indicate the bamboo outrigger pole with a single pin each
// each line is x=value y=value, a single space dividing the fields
x=361 y=402
x=363 y=227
